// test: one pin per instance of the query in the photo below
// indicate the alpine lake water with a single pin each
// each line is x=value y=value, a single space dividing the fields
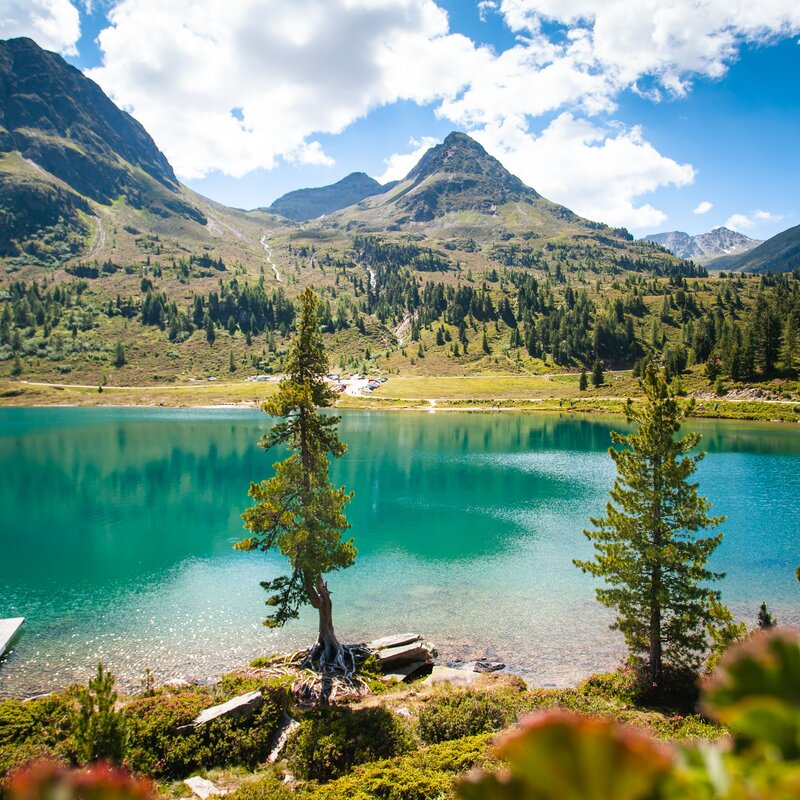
x=118 y=525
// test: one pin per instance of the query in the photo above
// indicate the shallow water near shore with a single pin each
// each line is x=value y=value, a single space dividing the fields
x=118 y=524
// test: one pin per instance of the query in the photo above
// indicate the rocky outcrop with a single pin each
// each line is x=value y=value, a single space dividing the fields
x=239 y=707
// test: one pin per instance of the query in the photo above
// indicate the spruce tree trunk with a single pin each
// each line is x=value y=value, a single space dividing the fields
x=326 y=639
x=655 y=627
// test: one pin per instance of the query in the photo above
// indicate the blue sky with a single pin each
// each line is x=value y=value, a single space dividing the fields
x=657 y=115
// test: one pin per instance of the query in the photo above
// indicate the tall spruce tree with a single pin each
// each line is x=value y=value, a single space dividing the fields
x=648 y=550
x=298 y=511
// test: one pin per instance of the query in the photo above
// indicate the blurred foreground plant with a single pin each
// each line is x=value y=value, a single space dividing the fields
x=755 y=692
x=47 y=780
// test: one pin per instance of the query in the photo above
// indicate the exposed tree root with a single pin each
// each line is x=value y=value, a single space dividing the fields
x=321 y=675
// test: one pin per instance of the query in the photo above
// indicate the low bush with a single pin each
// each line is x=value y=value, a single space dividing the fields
x=36 y=729
x=427 y=774
x=454 y=714
x=265 y=787
x=156 y=747
x=330 y=741
x=677 y=688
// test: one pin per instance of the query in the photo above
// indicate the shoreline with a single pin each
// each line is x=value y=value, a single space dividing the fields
x=483 y=393
x=726 y=410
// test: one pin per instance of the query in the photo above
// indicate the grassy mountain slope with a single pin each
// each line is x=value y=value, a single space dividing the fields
x=81 y=179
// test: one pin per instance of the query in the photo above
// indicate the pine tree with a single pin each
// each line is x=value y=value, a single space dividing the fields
x=648 y=551
x=765 y=618
x=119 y=355
x=583 y=381
x=789 y=344
x=597 y=373
x=99 y=727
x=298 y=511
x=210 y=333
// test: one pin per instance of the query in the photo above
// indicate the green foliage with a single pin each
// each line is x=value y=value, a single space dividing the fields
x=35 y=729
x=583 y=381
x=331 y=741
x=723 y=631
x=427 y=774
x=765 y=618
x=561 y=756
x=157 y=747
x=99 y=727
x=265 y=787
x=647 y=550
x=453 y=714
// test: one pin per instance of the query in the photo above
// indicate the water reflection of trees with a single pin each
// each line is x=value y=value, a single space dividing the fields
x=97 y=495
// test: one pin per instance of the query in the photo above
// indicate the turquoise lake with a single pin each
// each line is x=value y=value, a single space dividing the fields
x=117 y=531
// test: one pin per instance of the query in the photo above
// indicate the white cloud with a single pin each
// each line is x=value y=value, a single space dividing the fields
x=398 y=165
x=739 y=222
x=53 y=24
x=743 y=222
x=703 y=208
x=486 y=7
x=290 y=70
x=237 y=86
x=599 y=173
x=669 y=41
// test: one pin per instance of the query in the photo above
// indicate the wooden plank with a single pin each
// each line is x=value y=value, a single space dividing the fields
x=8 y=629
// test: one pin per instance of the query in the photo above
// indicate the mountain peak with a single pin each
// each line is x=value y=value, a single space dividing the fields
x=459 y=175
x=303 y=204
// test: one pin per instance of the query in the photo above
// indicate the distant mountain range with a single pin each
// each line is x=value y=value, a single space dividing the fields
x=704 y=247
x=305 y=204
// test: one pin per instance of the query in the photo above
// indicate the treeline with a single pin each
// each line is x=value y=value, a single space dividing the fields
x=249 y=308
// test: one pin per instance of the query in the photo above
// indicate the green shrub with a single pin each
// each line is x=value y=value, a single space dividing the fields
x=427 y=774
x=677 y=689
x=330 y=741
x=35 y=729
x=16 y=723
x=620 y=685
x=265 y=787
x=156 y=746
x=14 y=756
x=454 y=714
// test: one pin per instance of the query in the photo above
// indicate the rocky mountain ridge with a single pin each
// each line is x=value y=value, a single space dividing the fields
x=704 y=247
